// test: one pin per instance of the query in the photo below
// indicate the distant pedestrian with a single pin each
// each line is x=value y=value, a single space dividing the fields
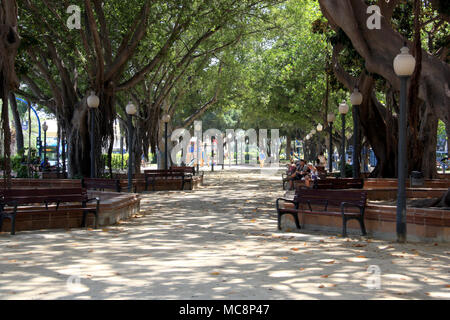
x=262 y=158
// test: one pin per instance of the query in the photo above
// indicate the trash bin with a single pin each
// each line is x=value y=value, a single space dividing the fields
x=416 y=179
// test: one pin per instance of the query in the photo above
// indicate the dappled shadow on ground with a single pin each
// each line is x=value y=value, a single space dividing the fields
x=218 y=242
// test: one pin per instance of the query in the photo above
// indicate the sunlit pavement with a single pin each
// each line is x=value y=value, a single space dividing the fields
x=218 y=242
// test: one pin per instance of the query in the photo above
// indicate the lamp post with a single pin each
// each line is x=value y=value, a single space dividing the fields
x=236 y=148
x=404 y=65
x=198 y=128
x=356 y=99
x=330 y=119
x=93 y=102
x=230 y=137
x=45 y=128
x=212 y=154
x=166 y=120
x=131 y=111
x=308 y=136
x=343 y=109
x=319 y=128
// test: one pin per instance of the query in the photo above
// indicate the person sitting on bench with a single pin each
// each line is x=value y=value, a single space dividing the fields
x=45 y=165
x=299 y=174
x=313 y=174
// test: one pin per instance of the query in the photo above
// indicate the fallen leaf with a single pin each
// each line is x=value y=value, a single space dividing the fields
x=284 y=258
x=295 y=249
x=358 y=245
x=301 y=269
x=321 y=286
x=447 y=286
x=362 y=257
x=330 y=262
x=324 y=276
x=215 y=273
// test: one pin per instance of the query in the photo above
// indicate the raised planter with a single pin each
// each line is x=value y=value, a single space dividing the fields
x=113 y=208
x=423 y=225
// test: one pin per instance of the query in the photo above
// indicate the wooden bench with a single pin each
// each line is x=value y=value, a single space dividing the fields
x=101 y=184
x=338 y=183
x=188 y=170
x=10 y=199
x=151 y=176
x=339 y=199
x=322 y=172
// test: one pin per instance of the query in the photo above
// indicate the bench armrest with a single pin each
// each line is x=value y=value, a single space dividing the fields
x=97 y=199
x=13 y=204
x=286 y=200
x=349 y=204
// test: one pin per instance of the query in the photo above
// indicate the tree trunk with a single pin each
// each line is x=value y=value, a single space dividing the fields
x=9 y=43
x=17 y=124
x=379 y=48
x=288 y=146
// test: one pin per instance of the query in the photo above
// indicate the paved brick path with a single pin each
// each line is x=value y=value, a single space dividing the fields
x=219 y=242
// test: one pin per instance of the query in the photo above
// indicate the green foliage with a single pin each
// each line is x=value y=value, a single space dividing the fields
x=116 y=161
x=348 y=171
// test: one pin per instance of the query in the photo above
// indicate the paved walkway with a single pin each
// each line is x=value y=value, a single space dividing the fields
x=219 y=242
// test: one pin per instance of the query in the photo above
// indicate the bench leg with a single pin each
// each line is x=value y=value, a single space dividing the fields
x=83 y=222
x=363 y=227
x=297 y=222
x=279 y=221
x=344 y=227
x=13 y=225
x=96 y=220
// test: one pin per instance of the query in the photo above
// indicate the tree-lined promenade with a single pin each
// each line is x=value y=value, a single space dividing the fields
x=221 y=244
x=229 y=64
x=113 y=111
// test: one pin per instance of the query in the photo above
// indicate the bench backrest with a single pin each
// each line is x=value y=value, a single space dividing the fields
x=100 y=183
x=183 y=169
x=334 y=197
x=165 y=174
x=25 y=196
x=339 y=183
x=156 y=171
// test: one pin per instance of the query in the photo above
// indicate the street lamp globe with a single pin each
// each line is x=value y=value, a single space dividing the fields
x=308 y=137
x=45 y=126
x=404 y=63
x=166 y=118
x=356 y=98
x=343 y=108
x=93 y=101
x=313 y=131
x=331 y=117
x=198 y=127
x=319 y=127
x=131 y=109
